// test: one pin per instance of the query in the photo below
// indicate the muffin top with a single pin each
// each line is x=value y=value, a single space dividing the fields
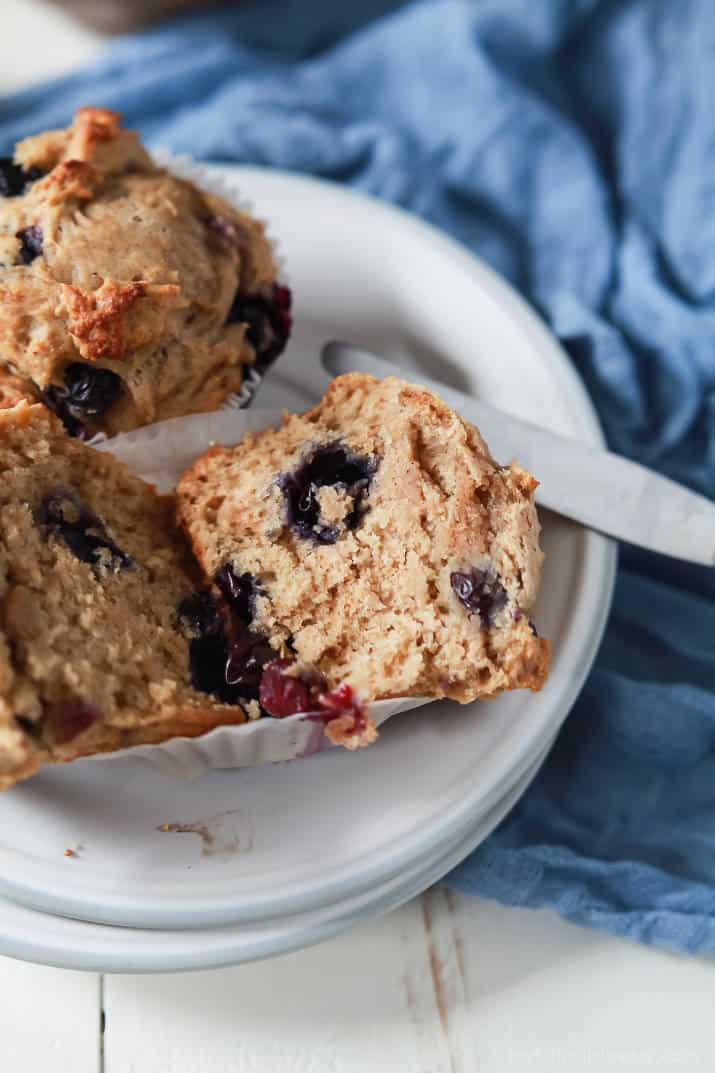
x=127 y=294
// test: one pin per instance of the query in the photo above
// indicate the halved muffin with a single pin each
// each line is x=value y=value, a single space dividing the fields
x=372 y=543
x=94 y=653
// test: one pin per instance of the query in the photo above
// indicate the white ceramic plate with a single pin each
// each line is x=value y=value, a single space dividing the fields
x=295 y=837
x=32 y=935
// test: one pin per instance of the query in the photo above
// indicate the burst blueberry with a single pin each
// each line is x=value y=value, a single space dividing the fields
x=31 y=243
x=284 y=694
x=330 y=465
x=481 y=592
x=203 y=617
x=226 y=658
x=269 y=321
x=240 y=590
x=207 y=659
x=229 y=670
x=200 y=614
x=88 y=392
x=235 y=663
x=68 y=719
x=247 y=654
x=63 y=515
x=56 y=399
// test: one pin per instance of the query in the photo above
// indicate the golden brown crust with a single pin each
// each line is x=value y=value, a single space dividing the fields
x=189 y=722
x=22 y=769
x=92 y=125
x=71 y=179
x=341 y=731
x=96 y=318
x=106 y=323
x=94 y=137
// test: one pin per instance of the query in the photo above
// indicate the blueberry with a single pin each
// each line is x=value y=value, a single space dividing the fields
x=31 y=240
x=89 y=391
x=481 y=592
x=229 y=669
x=14 y=180
x=64 y=516
x=201 y=615
x=330 y=465
x=284 y=694
x=207 y=660
x=226 y=659
x=268 y=319
x=246 y=656
x=226 y=230
x=69 y=719
x=240 y=590
x=56 y=398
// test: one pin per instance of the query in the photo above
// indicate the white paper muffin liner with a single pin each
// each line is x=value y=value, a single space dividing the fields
x=159 y=454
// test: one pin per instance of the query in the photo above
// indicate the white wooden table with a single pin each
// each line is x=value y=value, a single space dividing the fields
x=445 y=985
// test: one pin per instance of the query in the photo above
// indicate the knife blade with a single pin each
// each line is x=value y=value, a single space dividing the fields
x=595 y=487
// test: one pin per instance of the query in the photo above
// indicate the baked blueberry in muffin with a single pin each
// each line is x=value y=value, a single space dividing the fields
x=128 y=295
x=370 y=544
x=233 y=661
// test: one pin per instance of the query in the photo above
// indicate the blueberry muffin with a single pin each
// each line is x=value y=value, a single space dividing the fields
x=94 y=579
x=372 y=543
x=128 y=295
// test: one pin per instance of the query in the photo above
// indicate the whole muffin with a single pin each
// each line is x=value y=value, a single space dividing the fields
x=371 y=542
x=128 y=295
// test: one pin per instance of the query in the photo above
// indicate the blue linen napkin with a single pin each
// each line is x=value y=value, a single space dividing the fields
x=572 y=144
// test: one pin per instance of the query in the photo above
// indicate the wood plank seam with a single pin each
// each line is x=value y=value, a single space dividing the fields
x=102 y=1023
x=445 y=952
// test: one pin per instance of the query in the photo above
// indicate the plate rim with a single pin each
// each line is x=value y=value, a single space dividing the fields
x=383 y=899
x=596 y=568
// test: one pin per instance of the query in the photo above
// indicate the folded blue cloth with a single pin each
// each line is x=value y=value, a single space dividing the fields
x=572 y=145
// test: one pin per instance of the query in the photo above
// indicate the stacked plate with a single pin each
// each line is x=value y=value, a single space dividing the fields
x=113 y=866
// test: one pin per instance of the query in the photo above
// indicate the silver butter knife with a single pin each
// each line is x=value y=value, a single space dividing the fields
x=595 y=487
